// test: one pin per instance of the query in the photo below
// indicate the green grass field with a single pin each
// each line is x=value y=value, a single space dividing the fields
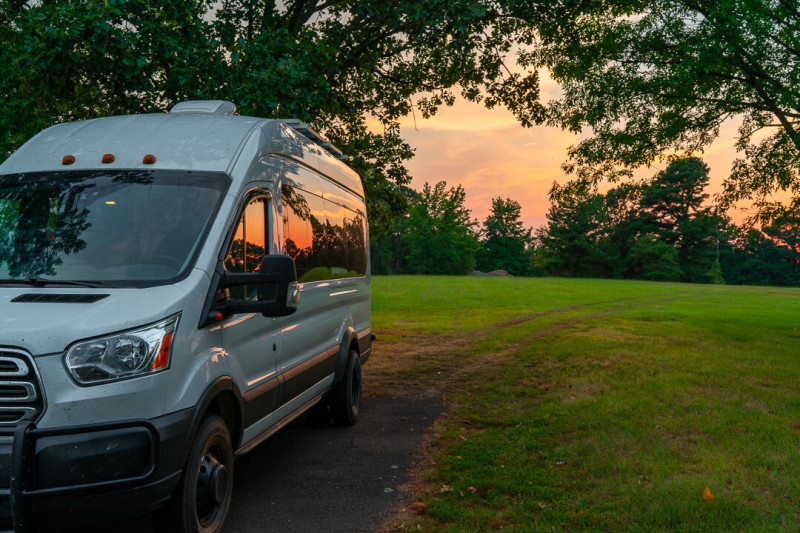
x=592 y=405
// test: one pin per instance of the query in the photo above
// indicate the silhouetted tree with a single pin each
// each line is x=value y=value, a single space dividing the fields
x=672 y=207
x=574 y=228
x=504 y=239
x=441 y=238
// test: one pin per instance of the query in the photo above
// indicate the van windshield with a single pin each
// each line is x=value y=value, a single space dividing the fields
x=110 y=228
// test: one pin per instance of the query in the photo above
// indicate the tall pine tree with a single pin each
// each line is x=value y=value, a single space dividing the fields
x=504 y=239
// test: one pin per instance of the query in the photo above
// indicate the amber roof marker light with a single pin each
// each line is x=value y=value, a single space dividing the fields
x=107 y=158
x=67 y=159
x=149 y=159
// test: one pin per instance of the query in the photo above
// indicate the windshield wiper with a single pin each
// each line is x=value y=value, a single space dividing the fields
x=36 y=281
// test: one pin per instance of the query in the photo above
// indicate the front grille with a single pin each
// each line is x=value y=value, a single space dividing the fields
x=13 y=391
x=20 y=392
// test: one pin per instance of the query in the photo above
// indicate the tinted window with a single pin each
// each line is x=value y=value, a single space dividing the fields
x=327 y=240
x=304 y=233
x=249 y=243
x=139 y=227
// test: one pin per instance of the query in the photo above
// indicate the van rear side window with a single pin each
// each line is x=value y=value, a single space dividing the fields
x=326 y=240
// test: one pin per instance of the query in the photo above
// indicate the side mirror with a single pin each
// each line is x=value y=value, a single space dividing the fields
x=278 y=292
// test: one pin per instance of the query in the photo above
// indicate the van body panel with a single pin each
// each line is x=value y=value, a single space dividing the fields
x=192 y=371
x=21 y=323
x=256 y=359
x=286 y=143
x=69 y=404
x=304 y=336
x=69 y=331
x=185 y=142
x=267 y=426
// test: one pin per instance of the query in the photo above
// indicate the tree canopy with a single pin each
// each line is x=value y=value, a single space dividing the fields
x=336 y=64
x=661 y=230
x=504 y=239
x=648 y=79
x=655 y=79
x=441 y=237
x=570 y=243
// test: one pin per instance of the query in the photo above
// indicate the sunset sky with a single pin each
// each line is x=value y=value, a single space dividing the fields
x=491 y=155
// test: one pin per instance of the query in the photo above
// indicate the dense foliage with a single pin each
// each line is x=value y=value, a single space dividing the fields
x=344 y=66
x=662 y=231
x=654 y=78
x=504 y=239
x=651 y=80
x=440 y=237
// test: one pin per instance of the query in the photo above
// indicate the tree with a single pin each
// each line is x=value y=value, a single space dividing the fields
x=623 y=224
x=389 y=250
x=441 y=237
x=337 y=65
x=630 y=229
x=653 y=259
x=504 y=239
x=672 y=208
x=73 y=60
x=749 y=256
x=675 y=196
x=654 y=78
x=574 y=228
x=784 y=233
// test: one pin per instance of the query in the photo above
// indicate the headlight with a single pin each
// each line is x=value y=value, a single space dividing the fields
x=124 y=355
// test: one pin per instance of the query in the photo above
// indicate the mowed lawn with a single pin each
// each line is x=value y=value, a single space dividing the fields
x=596 y=405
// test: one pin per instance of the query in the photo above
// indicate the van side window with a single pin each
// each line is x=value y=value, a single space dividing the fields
x=304 y=233
x=346 y=242
x=249 y=244
x=326 y=240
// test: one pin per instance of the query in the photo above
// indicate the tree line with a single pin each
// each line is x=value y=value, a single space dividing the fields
x=438 y=236
x=661 y=229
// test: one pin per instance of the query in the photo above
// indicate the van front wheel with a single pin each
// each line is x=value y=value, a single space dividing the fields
x=201 y=501
x=346 y=396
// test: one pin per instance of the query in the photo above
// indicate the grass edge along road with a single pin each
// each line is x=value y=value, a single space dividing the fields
x=595 y=405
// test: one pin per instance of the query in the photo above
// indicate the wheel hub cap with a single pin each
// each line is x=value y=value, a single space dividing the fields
x=212 y=483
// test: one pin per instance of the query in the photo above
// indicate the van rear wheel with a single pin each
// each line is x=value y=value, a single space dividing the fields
x=346 y=396
x=201 y=501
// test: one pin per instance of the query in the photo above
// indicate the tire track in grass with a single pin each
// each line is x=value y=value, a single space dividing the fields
x=452 y=371
x=430 y=364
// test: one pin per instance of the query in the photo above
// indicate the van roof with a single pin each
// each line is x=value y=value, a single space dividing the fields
x=189 y=138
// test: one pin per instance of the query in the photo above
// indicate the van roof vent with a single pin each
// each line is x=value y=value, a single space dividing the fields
x=305 y=129
x=204 y=107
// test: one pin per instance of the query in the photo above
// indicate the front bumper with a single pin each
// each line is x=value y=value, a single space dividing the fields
x=77 y=475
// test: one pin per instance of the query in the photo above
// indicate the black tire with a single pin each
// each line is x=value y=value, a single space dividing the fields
x=201 y=501
x=346 y=396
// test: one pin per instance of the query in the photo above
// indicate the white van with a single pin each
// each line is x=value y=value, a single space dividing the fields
x=174 y=289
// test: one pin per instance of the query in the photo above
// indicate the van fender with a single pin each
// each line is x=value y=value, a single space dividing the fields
x=221 y=397
x=349 y=340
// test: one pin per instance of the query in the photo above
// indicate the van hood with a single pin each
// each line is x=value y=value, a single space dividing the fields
x=45 y=321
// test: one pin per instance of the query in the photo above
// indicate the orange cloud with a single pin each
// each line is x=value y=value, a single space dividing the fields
x=491 y=156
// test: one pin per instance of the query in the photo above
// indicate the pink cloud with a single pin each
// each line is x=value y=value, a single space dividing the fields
x=491 y=155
